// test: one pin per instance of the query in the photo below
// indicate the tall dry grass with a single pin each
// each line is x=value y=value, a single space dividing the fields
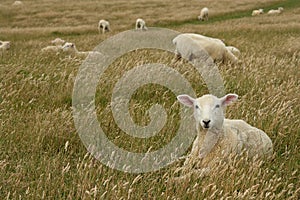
x=41 y=155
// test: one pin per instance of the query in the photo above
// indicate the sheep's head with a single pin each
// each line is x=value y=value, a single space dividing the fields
x=58 y=41
x=68 y=46
x=208 y=109
x=5 y=45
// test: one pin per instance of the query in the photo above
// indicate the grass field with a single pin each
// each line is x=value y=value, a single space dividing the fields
x=41 y=154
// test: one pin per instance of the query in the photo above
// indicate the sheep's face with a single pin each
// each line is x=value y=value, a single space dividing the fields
x=68 y=46
x=5 y=45
x=208 y=109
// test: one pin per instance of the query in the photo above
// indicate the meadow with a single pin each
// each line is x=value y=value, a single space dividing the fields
x=41 y=153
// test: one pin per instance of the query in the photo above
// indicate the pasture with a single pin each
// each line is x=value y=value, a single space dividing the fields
x=41 y=154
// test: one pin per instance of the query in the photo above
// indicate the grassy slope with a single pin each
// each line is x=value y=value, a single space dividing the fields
x=41 y=155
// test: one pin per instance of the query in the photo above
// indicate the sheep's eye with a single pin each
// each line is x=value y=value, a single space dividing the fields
x=217 y=106
x=197 y=107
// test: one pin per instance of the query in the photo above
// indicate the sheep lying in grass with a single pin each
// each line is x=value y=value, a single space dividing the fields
x=71 y=49
x=221 y=137
x=103 y=26
x=17 y=3
x=275 y=12
x=203 y=14
x=4 y=45
x=257 y=12
x=58 y=42
x=191 y=46
x=52 y=49
x=140 y=24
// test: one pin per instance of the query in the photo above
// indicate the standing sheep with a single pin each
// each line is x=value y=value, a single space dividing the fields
x=4 y=45
x=203 y=14
x=103 y=26
x=140 y=24
x=191 y=46
x=257 y=12
x=275 y=12
x=219 y=136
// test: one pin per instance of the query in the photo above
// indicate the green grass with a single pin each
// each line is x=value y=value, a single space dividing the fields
x=41 y=154
x=288 y=4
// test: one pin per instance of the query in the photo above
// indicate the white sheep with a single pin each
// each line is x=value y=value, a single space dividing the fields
x=52 y=49
x=4 y=45
x=70 y=48
x=103 y=26
x=140 y=24
x=257 y=12
x=191 y=46
x=234 y=50
x=221 y=137
x=58 y=42
x=203 y=14
x=275 y=12
x=17 y=3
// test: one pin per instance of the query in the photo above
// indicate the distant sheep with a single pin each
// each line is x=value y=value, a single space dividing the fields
x=52 y=49
x=140 y=24
x=103 y=26
x=257 y=12
x=17 y=3
x=220 y=137
x=275 y=12
x=203 y=14
x=58 y=42
x=191 y=46
x=70 y=48
x=4 y=45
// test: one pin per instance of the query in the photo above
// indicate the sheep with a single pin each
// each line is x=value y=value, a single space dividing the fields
x=52 y=49
x=4 y=45
x=17 y=3
x=70 y=48
x=234 y=50
x=221 y=137
x=275 y=12
x=104 y=26
x=191 y=46
x=58 y=42
x=257 y=12
x=203 y=14
x=140 y=24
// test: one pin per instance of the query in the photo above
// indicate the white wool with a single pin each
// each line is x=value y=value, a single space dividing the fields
x=234 y=50
x=4 y=45
x=191 y=46
x=17 y=3
x=275 y=12
x=70 y=48
x=219 y=137
x=103 y=26
x=140 y=24
x=58 y=41
x=203 y=14
x=257 y=12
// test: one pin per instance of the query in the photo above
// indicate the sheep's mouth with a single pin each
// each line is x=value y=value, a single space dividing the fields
x=206 y=126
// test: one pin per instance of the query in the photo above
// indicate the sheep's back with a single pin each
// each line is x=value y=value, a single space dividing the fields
x=242 y=136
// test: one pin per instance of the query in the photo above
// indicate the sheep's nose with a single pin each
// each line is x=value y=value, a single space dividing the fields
x=206 y=123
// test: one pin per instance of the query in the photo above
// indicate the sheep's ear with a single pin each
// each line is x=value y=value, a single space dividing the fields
x=228 y=99
x=186 y=100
